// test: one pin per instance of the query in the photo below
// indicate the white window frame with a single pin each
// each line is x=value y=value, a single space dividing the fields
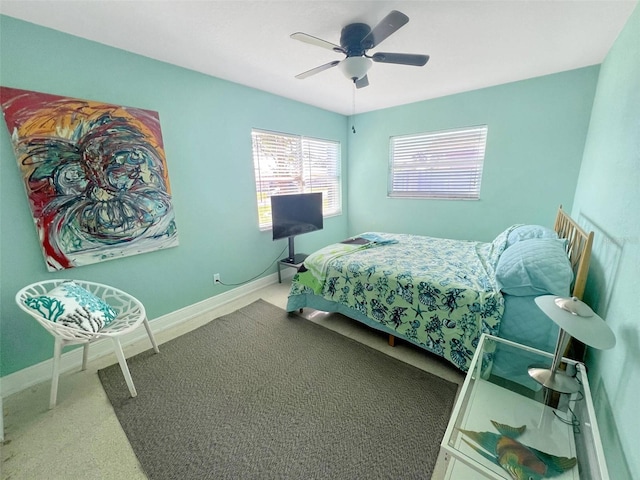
x=291 y=164
x=445 y=164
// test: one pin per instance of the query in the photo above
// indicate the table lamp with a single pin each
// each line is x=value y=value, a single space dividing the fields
x=575 y=319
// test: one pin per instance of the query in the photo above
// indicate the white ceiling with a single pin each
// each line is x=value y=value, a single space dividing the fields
x=472 y=43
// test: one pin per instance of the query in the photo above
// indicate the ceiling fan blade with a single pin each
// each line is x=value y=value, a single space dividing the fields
x=401 y=58
x=363 y=82
x=318 y=42
x=382 y=30
x=319 y=69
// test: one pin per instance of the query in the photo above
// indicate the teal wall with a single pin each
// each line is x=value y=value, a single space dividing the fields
x=608 y=200
x=206 y=126
x=537 y=129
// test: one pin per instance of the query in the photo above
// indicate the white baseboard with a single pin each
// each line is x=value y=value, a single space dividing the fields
x=27 y=377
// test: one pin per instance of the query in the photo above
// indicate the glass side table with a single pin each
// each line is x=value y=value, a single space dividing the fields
x=497 y=388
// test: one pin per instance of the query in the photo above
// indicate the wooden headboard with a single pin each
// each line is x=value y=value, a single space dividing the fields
x=579 y=244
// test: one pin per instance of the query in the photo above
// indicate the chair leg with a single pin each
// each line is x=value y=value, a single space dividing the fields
x=57 y=353
x=85 y=355
x=151 y=337
x=124 y=367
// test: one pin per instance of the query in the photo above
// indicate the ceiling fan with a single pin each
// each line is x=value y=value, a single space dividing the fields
x=355 y=40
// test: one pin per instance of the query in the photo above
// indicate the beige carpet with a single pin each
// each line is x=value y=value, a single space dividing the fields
x=260 y=393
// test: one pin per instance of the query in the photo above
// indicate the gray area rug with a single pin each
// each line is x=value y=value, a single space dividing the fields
x=264 y=394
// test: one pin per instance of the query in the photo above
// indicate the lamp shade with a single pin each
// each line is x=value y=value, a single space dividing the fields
x=577 y=319
x=355 y=68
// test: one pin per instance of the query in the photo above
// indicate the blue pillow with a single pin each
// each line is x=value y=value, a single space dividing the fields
x=73 y=306
x=528 y=232
x=498 y=245
x=539 y=266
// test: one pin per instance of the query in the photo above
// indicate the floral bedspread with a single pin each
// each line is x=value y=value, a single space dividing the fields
x=437 y=293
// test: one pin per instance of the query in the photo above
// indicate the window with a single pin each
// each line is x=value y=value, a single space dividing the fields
x=445 y=164
x=286 y=164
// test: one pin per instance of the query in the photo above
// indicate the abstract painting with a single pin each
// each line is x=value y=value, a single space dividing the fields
x=95 y=176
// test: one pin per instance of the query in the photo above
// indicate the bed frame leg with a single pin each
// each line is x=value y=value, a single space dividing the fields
x=392 y=341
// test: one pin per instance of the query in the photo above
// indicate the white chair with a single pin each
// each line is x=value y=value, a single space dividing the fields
x=130 y=314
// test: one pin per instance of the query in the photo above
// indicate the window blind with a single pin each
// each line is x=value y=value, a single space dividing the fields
x=288 y=164
x=445 y=164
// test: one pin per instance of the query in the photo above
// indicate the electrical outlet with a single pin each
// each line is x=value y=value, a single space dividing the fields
x=216 y=278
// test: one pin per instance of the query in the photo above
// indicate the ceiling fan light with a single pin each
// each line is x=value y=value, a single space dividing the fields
x=354 y=68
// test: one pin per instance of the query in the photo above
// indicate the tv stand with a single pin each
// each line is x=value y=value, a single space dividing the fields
x=294 y=262
x=297 y=259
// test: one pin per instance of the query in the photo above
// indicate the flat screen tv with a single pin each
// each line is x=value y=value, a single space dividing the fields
x=293 y=215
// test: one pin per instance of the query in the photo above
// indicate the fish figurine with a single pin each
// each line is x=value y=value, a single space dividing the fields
x=522 y=462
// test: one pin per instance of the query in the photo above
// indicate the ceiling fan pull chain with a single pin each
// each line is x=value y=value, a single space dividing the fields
x=353 y=110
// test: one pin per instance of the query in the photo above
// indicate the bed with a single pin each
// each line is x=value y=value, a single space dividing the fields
x=442 y=294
